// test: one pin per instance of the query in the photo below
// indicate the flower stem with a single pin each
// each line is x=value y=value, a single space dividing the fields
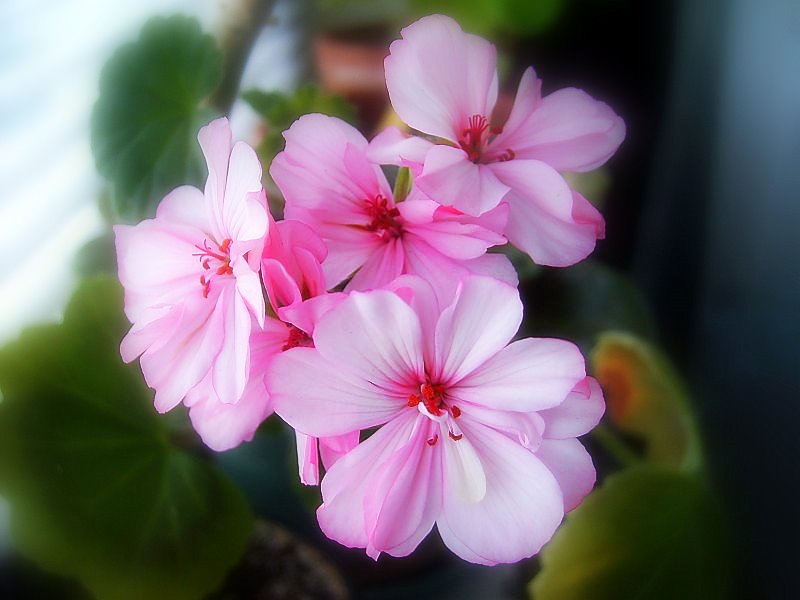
x=617 y=448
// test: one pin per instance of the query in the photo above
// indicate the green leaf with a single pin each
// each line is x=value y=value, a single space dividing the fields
x=645 y=534
x=145 y=122
x=97 y=256
x=280 y=110
x=491 y=18
x=646 y=398
x=98 y=488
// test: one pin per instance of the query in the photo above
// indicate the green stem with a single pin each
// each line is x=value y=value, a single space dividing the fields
x=402 y=185
x=612 y=444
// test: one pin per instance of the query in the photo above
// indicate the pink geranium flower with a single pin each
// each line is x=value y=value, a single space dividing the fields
x=329 y=184
x=294 y=283
x=443 y=82
x=465 y=439
x=192 y=289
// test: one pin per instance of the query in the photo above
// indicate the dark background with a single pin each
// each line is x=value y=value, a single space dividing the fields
x=704 y=212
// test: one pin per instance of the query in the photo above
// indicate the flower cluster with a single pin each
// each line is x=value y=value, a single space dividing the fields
x=234 y=315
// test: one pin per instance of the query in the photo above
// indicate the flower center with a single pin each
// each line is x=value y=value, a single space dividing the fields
x=214 y=262
x=386 y=220
x=297 y=337
x=433 y=402
x=475 y=138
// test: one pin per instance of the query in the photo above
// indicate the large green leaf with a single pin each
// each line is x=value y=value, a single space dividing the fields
x=99 y=487
x=646 y=534
x=145 y=122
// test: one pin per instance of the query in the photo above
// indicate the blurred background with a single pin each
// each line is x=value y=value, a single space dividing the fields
x=695 y=290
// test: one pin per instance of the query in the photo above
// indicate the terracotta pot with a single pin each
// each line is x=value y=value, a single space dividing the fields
x=350 y=64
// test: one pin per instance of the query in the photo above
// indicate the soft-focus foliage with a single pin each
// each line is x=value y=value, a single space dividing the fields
x=492 y=17
x=581 y=302
x=645 y=533
x=99 y=486
x=280 y=110
x=145 y=122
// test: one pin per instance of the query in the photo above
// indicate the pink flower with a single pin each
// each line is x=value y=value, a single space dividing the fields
x=330 y=185
x=476 y=435
x=192 y=289
x=443 y=82
x=295 y=285
x=293 y=279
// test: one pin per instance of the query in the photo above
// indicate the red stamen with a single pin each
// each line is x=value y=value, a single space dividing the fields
x=432 y=441
x=206 y=285
x=432 y=398
x=472 y=138
x=413 y=400
x=509 y=154
x=297 y=337
x=385 y=219
x=206 y=255
x=455 y=437
x=455 y=411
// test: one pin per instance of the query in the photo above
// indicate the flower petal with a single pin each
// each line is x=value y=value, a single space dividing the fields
x=386 y=263
x=402 y=502
x=345 y=486
x=438 y=76
x=304 y=315
x=171 y=247
x=215 y=142
x=519 y=513
x=445 y=273
x=527 y=375
x=185 y=205
x=568 y=129
x=578 y=414
x=376 y=336
x=391 y=147
x=244 y=216
x=225 y=426
x=175 y=367
x=572 y=467
x=307 y=458
x=543 y=220
x=464 y=476
x=526 y=428
x=332 y=448
x=312 y=172
x=232 y=364
x=451 y=179
x=482 y=319
x=451 y=232
x=319 y=398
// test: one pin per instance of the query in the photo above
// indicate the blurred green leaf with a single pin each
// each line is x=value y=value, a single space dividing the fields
x=280 y=110
x=145 y=122
x=582 y=301
x=491 y=18
x=98 y=488
x=645 y=397
x=97 y=256
x=646 y=533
